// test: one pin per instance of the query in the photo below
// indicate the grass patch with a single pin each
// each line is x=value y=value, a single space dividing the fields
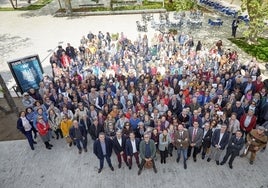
x=259 y=50
x=35 y=6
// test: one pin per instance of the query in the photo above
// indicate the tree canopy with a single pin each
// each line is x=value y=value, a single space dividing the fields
x=258 y=14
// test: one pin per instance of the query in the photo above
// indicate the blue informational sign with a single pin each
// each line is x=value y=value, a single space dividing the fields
x=27 y=72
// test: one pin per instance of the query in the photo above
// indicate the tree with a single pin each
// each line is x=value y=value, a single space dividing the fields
x=68 y=7
x=258 y=13
x=185 y=4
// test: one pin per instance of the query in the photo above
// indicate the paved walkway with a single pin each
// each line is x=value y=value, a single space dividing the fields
x=63 y=167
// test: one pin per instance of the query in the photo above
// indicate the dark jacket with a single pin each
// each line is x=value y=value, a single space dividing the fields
x=129 y=149
x=82 y=130
x=117 y=148
x=216 y=138
x=98 y=150
x=206 y=141
x=95 y=130
x=236 y=145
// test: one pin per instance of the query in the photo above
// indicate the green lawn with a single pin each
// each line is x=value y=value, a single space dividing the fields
x=35 y=6
x=259 y=50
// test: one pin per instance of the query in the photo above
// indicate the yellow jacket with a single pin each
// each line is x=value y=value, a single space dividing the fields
x=65 y=125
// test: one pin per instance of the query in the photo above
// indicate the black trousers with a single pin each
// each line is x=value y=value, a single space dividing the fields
x=196 y=151
x=163 y=155
x=229 y=153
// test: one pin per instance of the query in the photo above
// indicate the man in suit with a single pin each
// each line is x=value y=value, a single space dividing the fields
x=181 y=142
x=119 y=144
x=235 y=145
x=103 y=148
x=79 y=135
x=195 y=137
x=219 y=141
x=95 y=129
x=206 y=141
x=147 y=152
x=132 y=149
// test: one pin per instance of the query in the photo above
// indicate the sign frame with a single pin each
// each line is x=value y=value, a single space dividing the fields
x=27 y=72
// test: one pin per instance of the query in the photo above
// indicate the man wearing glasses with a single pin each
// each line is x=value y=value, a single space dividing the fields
x=147 y=152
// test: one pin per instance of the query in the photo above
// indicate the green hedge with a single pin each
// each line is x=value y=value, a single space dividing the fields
x=259 y=50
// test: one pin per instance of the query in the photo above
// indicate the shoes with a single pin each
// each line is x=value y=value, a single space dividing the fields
x=112 y=168
x=80 y=151
x=217 y=162
x=251 y=162
x=139 y=172
x=230 y=166
x=209 y=159
x=129 y=167
x=155 y=170
x=34 y=142
x=99 y=171
x=57 y=137
x=170 y=154
x=35 y=136
x=50 y=145
x=177 y=160
x=203 y=157
x=139 y=166
x=161 y=161
x=164 y=161
x=194 y=159
x=85 y=149
x=184 y=165
x=70 y=144
x=119 y=165
x=32 y=148
x=222 y=163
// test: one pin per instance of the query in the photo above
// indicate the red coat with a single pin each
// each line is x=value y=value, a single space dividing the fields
x=251 y=125
x=42 y=128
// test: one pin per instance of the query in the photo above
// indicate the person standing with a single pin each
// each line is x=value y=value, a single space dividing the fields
x=181 y=142
x=235 y=145
x=79 y=135
x=195 y=137
x=26 y=128
x=164 y=141
x=65 y=126
x=256 y=140
x=44 y=131
x=206 y=141
x=219 y=141
x=103 y=148
x=119 y=145
x=234 y=27
x=132 y=149
x=147 y=152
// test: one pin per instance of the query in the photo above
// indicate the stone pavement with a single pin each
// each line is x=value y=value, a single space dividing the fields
x=63 y=167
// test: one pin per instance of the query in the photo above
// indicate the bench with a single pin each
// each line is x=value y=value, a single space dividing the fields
x=92 y=5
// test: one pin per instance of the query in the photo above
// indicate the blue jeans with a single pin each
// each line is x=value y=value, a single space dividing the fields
x=83 y=141
x=184 y=153
x=29 y=137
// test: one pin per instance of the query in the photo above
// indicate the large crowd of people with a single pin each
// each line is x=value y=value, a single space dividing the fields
x=149 y=96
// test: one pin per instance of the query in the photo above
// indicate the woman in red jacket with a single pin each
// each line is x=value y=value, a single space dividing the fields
x=44 y=131
x=248 y=122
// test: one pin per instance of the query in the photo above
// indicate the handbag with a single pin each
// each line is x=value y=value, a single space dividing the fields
x=148 y=164
x=68 y=139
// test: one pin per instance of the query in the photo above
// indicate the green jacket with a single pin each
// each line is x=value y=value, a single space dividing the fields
x=142 y=149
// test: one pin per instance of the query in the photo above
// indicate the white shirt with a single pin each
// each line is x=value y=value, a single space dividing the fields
x=221 y=135
x=133 y=143
x=120 y=141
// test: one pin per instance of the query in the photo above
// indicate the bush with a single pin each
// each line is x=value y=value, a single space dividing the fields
x=259 y=50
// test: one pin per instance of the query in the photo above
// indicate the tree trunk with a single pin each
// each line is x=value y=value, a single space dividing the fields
x=68 y=7
x=8 y=96
x=12 y=4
